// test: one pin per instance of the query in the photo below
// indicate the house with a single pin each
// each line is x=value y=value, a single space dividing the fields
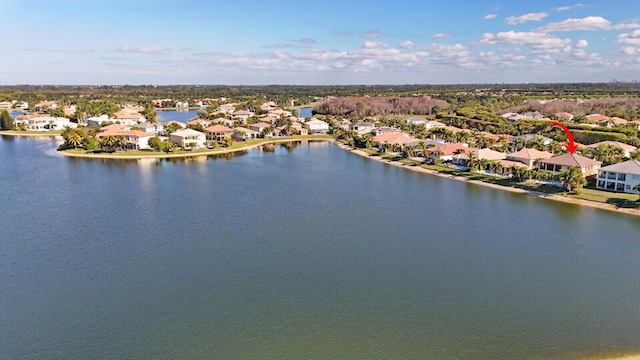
x=597 y=118
x=268 y=119
x=432 y=124
x=137 y=139
x=564 y=116
x=227 y=108
x=528 y=156
x=182 y=104
x=533 y=137
x=268 y=105
x=151 y=128
x=202 y=122
x=482 y=154
x=390 y=142
x=385 y=130
x=259 y=127
x=298 y=129
x=628 y=149
x=166 y=123
x=98 y=120
x=415 y=120
x=188 y=138
x=6 y=104
x=558 y=164
x=242 y=134
x=362 y=125
x=219 y=132
x=316 y=126
x=241 y=115
x=446 y=152
x=39 y=122
x=44 y=106
x=223 y=121
x=128 y=116
x=621 y=177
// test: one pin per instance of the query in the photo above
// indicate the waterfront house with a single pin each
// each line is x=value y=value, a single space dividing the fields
x=395 y=141
x=462 y=158
x=188 y=138
x=446 y=152
x=528 y=156
x=298 y=129
x=620 y=177
x=316 y=126
x=218 y=132
x=39 y=122
x=242 y=134
x=259 y=127
x=626 y=148
x=137 y=139
x=558 y=164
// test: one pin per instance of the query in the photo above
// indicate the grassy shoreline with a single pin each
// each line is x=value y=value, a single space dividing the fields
x=236 y=146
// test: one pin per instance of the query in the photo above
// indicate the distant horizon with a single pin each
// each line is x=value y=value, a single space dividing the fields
x=334 y=43
x=611 y=82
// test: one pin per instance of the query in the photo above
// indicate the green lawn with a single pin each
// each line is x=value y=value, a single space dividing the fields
x=622 y=200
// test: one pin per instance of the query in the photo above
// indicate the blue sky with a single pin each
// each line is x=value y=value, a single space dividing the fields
x=318 y=42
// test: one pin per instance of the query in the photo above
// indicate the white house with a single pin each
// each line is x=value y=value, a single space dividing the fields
x=45 y=123
x=621 y=177
x=316 y=126
x=188 y=138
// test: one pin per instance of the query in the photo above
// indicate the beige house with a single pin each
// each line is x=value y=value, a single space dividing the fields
x=558 y=164
x=188 y=138
x=219 y=132
x=528 y=156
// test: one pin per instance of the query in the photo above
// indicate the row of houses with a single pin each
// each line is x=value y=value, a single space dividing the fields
x=595 y=119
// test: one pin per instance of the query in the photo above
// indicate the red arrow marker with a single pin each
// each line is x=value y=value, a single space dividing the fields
x=571 y=147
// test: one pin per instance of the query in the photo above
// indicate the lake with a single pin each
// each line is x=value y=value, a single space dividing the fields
x=177 y=115
x=300 y=251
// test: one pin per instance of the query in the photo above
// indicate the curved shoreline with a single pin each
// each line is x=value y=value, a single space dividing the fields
x=538 y=194
x=191 y=155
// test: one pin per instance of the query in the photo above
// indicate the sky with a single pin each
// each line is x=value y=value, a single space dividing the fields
x=328 y=42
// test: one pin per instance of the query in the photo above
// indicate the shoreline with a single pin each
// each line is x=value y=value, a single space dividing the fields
x=191 y=155
x=538 y=194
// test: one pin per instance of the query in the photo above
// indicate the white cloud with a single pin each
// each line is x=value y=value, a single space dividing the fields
x=537 y=41
x=490 y=16
x=513 y=20
x=442 y=35
x=589 y=23
x=629 y=50
x=630 y=38
x=582 y=43
x=570 y=7
x=407 y=44
x=374 y=44
x=371 y=34
x=152 y=50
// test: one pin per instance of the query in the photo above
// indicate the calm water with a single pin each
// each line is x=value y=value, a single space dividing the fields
x=305 y=112
x=177 y=115
x=300 y=253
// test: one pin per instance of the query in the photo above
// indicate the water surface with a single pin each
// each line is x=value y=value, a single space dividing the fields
x=303 y=251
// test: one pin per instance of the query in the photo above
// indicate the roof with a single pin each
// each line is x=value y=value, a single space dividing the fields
x=531 y=154
x=243 y=112
x=450 y=149
x=396 y=138
x=260 y=124
x=627 y=167
x=218 y=128
x=613 y=143
x=571 y=160
x=186 y=132
x=315 y=121
x=597 y=117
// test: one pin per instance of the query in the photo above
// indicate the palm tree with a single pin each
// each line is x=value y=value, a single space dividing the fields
x=74 y=139
x=108 y=141
x=573 y=179
x=121 y=142
x=518 y=143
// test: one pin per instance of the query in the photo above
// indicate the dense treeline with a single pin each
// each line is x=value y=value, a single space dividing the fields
x=626 y=108
x=381 y=105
